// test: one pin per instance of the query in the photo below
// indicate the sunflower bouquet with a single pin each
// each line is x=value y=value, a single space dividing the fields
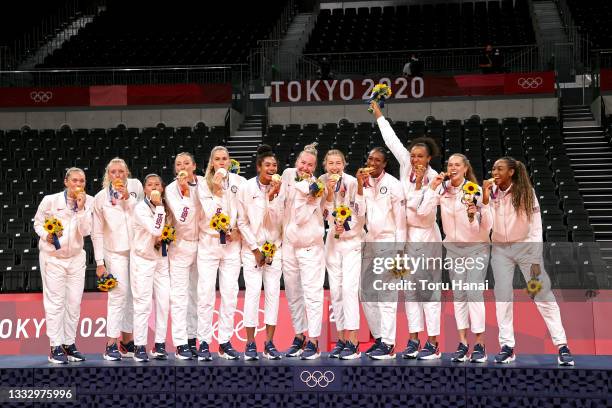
x=470 y=193
x=106 y=282
x=54 y=226
x=168 y=236
x=234 y=166
x=342 y=216
x=379 y=94
x=221 y=223
x=316 y=188
x=534 y=286
x=268 y=249
x=398 y=270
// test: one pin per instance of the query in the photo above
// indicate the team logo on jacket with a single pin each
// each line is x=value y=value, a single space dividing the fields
x=234 y=189
x=184 y=214
x=159 y=220
x=383 y=190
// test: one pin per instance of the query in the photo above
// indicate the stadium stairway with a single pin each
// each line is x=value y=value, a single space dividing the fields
x=293 y=43
x=242 y=144
x=590 y=154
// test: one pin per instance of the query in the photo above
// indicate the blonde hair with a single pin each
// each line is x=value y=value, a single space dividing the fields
x=310 y=149
x=210 y=169
x=73 y=170
x=116 y=160
x=333 y=152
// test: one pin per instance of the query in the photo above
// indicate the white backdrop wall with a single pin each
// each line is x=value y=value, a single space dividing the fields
x=108 y=118
x=283 y=114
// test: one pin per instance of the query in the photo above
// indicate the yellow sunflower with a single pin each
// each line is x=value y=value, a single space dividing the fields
x=533 y=287
x=470 y=188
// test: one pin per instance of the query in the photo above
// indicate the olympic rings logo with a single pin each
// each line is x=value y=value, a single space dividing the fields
x=238 y=327
x=317 y=378
x=41 y=96
x=529 y=82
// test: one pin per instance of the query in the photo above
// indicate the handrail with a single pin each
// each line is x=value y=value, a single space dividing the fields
x=236 y=74
x=126 y=69
x=417 y=51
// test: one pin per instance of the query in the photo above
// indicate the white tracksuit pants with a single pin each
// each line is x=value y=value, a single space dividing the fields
x=380 y=314
x=149 y=279
x=270 y=275
x=426 y=303
x=469 y=304
x=120 y=308
x=183 y=278
x=213 y=257
x=304 y=276
x=503 y=261
x=63 y=283
x=343 y=260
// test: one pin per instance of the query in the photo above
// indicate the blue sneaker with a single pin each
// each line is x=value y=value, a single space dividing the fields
x=479 y=355
x=183 y=352
x=193 y=347
x=350 y=352
x=412 y=349
x=58 y=355
x=228 y=352
x=383 y=352
x=112 y=353
x=506 y=355
x=297 y=347
x=565 y=356
x=374 y=346
x=311 y=351
x=73 y=355
x=204 y=352
x=250 y=352
x=429 y=352
x=335 y=353
x=126 y=350
x=270 y=352
x=461 y=355
x=140 y=354
x=159 y=351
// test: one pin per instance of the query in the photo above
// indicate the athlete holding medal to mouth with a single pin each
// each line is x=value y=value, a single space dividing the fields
x=260 y=218
x=183 y=203
x=111 y=237
x=63 y=269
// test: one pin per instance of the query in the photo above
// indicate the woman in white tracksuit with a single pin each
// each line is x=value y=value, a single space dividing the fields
x=415 y=175
x=63 y=269
x=343 y=253
x=149 y=274
x=303 y=254
x=218 y=195
x=467 y=245
x=260 y=218
x=111 y=236
x=183 y=203
x=385 y=219
x=517 y=240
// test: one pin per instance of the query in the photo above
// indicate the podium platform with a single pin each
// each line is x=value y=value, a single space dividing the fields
x=531 y=381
